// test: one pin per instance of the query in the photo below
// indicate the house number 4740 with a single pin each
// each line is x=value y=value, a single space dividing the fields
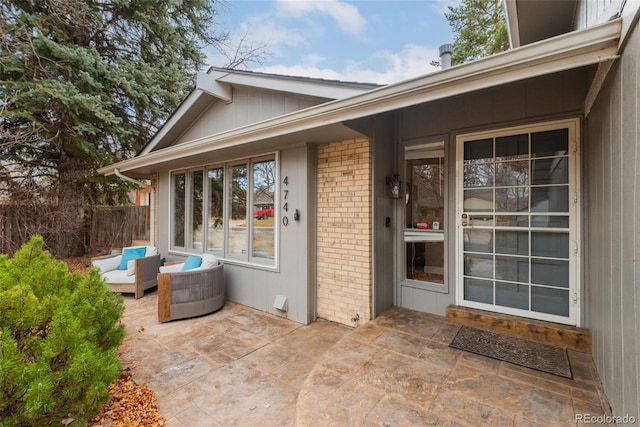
x=285 y=207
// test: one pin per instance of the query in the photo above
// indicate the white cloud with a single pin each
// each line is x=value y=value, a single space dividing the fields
x=411 y=61
x=442 y=6
x=346 y=15
x=263 y=29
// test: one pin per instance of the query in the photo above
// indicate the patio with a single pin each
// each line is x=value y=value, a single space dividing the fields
x=243 y=367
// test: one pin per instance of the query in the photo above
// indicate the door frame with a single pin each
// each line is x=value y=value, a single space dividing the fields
x=575 y=227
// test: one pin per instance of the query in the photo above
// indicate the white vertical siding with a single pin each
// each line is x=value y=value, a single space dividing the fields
x=248 y=106
x=612 y=231
x=591 y=12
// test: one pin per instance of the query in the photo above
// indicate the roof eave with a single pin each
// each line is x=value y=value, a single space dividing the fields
x=572 y=50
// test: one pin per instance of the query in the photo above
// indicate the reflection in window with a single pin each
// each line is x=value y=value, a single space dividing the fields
x=238 y=209
x=264 y=186
x=215 y=232
x=179 y=188
x=197 y=205
x=425 y=212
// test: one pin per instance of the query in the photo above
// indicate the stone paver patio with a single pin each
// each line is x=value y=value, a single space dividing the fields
x=243 y=367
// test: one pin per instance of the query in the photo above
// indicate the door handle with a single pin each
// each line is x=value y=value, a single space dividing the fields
x=465 y=220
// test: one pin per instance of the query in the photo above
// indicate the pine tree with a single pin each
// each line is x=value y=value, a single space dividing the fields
x=59 y=335
x=84 y=83
x=480 y=29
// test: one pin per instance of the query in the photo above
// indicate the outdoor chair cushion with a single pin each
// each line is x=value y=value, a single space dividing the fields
x=106 y=264
x=119 y=276
x=191 y=263
x=208 y=261
x=130 y=254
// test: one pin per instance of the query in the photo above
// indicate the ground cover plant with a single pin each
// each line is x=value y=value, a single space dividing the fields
x=59 y=335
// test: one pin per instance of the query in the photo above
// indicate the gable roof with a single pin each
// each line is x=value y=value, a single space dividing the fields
x=217 y=84
x=573 y=50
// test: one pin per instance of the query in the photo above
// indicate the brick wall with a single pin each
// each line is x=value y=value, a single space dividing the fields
x=344 y=231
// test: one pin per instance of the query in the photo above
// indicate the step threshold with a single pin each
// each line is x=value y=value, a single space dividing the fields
x=569 y=337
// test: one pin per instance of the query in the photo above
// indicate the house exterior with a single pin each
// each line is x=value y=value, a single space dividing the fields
x=507 y=184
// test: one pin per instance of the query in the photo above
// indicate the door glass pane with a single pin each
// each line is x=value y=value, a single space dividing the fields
x=215 y=235
x=264 y=190
x=478 y=290
x=479 y=151
x=550 y=272
x=549 y=244
x=478 y=265
x=550 y=300
x=514 y=269
x=179 y=198
x=478 y=201
x=197 y=205
x=478 y=175
x=510 y=174
x=424 y=233
x=550 y=199
x=512 y=199
x=478 y=240
x=512 y=147
x=550 y=143
x=238 y=207
x=512 y=220
x=512 y=295
x=512 y=242
x=548 y=221
x=550 y=171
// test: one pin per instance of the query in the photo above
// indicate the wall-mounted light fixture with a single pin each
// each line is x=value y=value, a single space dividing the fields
x=395 y=186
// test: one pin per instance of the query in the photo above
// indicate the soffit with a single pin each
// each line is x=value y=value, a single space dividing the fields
x=533 y=20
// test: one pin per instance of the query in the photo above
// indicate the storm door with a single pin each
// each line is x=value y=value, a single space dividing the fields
x=424 y=223
x=518 y=221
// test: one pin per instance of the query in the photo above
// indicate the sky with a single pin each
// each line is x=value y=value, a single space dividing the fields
x=369 y=41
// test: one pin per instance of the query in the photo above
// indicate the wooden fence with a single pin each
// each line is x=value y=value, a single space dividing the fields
x=105 y=227
x=118 y=226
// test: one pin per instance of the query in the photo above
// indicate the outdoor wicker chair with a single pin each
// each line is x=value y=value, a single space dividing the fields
x=190 y=293
x=126 y=275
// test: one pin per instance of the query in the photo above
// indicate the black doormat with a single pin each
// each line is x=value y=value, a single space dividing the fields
x=530 y=354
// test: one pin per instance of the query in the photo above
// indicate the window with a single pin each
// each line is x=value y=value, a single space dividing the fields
x=236 y=201
x=179 y=186
x=196 y=181
x=215 y=230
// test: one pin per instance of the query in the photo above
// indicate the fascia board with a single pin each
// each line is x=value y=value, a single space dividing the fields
x=173 y=119
x=207 y=82
x=572 y=50
x=513 y=28
x=315 y=88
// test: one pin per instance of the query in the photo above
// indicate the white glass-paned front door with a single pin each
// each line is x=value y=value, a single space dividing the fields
x=518 y=221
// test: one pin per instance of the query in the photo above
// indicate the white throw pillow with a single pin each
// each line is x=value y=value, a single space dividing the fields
x=107 y=264
x=208 y=261
x=131 y=267
x=174 y=268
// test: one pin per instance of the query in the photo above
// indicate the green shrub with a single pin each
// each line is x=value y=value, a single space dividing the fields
x=59 y=336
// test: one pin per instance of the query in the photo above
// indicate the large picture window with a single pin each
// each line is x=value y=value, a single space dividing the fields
x=227 y=209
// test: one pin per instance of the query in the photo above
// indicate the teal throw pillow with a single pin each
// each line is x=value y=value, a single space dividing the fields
x=129 y=254
x=191 y=263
